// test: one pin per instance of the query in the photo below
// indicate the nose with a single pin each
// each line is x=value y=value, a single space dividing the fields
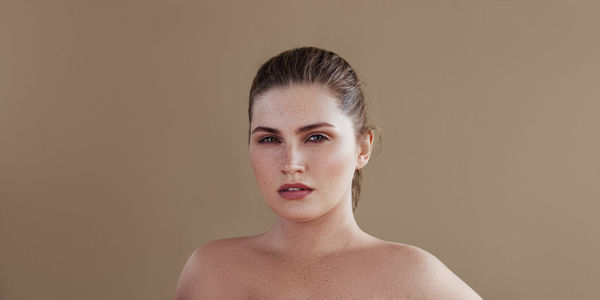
x=293 y=161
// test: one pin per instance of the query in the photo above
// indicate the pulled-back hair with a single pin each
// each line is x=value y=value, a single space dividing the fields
x=310 y=65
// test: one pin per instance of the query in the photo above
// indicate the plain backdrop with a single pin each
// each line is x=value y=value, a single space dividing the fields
x=123 y=137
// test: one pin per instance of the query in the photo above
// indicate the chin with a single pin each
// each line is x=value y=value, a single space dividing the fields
x=298 y=210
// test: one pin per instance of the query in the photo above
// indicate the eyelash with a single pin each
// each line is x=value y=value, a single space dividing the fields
x=321 y=139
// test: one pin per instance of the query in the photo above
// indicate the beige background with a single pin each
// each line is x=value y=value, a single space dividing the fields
x=123 y=137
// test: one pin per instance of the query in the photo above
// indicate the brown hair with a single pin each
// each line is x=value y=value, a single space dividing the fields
x=310 y=65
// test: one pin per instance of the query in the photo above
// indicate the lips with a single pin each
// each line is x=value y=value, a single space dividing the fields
x=294 y=191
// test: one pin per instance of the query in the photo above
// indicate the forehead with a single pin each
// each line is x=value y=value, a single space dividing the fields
x=296 y=105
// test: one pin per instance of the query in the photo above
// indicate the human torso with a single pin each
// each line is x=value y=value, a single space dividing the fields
x=376 y=270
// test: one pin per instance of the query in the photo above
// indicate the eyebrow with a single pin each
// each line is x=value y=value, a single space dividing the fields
x=299 y=130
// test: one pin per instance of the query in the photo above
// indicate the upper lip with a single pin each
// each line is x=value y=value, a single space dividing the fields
x=294 y=185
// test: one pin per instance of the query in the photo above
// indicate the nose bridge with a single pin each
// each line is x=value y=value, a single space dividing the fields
x=293 y=161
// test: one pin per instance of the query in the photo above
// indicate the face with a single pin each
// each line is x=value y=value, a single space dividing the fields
x=303 y=151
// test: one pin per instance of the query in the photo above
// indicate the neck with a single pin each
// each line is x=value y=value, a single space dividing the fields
x=330 y=233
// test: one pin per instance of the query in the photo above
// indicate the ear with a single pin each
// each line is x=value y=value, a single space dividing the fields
x=365 y=145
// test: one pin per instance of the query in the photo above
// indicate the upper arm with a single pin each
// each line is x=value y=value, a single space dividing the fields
x=198 y=280
x=189 y=277
x=433 y=280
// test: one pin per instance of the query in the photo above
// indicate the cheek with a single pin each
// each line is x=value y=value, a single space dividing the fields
x=263 y=163
x=337 y=167
x=258 y=164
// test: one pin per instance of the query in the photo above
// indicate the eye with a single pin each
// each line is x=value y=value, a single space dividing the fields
x=268 y=140
x=317 y=138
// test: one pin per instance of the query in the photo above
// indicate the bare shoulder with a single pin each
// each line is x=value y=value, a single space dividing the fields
x=427 y=276
x=205 y=270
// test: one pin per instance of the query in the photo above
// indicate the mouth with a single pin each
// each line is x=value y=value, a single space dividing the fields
x=294 y=191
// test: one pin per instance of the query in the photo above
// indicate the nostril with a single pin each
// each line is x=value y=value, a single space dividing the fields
x=293 y=161
x=292 y=168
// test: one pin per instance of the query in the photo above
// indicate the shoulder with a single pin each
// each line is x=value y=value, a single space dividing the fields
x=205 y=270
x=426 y=275
x=210 y=255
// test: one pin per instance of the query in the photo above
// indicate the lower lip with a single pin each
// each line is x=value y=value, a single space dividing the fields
x=295 y=195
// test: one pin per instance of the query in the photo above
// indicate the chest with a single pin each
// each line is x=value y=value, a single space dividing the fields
x=335 y=279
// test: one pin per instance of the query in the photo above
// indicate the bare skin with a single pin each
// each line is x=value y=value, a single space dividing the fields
x=243 y=268
x=315 y=250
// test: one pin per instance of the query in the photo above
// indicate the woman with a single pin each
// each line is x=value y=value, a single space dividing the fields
x=308 y=141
